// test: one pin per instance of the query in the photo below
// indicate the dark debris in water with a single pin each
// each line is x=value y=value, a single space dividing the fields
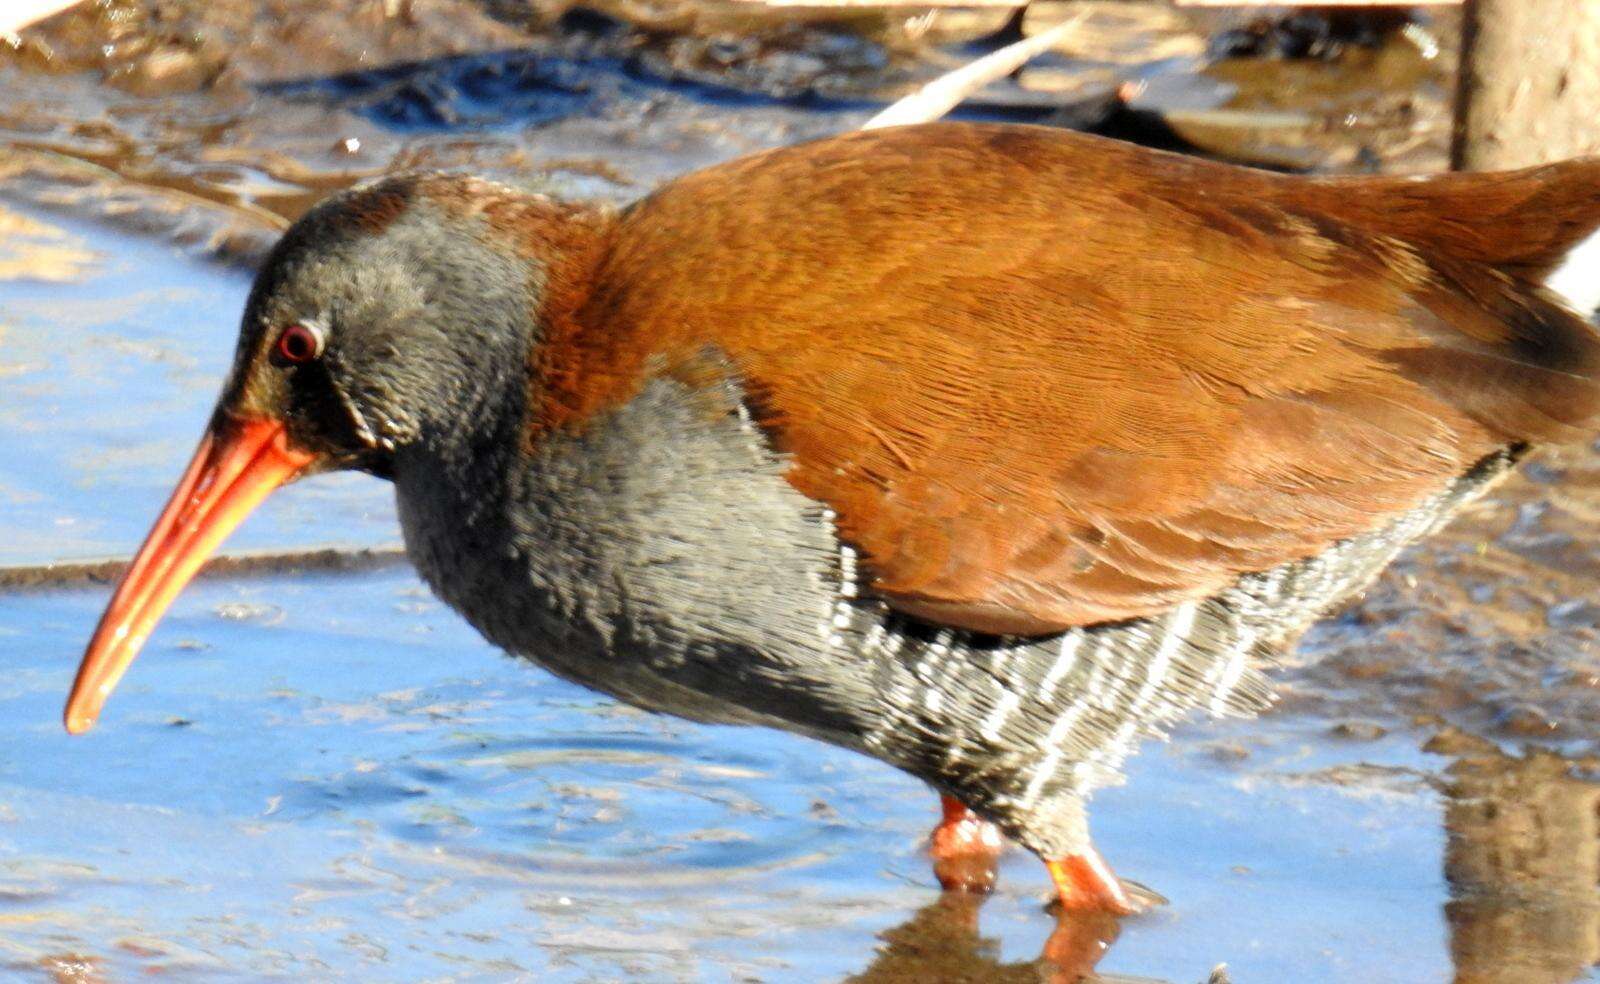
x=533 y=89
x=1322 y=34
x=484 y=90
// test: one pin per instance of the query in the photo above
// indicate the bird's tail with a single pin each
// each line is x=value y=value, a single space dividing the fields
x=1540 y=225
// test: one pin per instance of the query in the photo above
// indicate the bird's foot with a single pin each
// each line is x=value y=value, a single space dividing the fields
x=1085 y=884
x=966 y=850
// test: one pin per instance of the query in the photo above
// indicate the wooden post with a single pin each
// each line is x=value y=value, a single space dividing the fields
x=1529 y=85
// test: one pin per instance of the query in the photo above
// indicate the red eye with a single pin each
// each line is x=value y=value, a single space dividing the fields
x=299 y=343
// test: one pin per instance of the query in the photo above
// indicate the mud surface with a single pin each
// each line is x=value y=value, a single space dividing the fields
x=317 y=772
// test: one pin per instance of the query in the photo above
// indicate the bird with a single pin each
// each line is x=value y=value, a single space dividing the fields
x=985 y=450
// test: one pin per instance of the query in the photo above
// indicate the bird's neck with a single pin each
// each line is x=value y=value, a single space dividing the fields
x=451 y=494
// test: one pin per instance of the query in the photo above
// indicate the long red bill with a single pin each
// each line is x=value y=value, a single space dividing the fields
x=237 y=465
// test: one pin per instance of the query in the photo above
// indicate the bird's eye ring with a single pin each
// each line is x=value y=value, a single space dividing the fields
x=299 y=343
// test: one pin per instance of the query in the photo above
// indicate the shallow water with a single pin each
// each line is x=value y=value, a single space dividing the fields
x=322 y=774
x=311 y=775
x=108 y=384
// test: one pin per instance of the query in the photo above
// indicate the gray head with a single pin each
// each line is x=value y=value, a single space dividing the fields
x=400 y=314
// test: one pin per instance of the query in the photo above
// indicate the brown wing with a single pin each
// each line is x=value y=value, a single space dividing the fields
x=1046 y=380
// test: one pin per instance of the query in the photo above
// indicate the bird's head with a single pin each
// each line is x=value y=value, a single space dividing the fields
x=397 y=314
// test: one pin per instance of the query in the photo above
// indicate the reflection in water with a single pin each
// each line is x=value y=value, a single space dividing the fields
x=1523 y=862
x=71 y=969
x=941 y=943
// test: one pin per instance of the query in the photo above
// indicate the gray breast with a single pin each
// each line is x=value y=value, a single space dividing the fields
x=661 y=557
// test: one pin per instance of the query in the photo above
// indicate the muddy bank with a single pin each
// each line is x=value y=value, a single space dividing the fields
x=92 y=573
x=215 y=122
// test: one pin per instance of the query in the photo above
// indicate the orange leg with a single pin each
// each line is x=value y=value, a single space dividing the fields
x=1085 y=883
x=966 y=849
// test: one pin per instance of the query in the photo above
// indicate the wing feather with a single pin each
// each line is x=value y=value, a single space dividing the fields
x=1045 y=380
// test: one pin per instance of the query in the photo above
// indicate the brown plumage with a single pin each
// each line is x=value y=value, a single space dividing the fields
x=1047 y=380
